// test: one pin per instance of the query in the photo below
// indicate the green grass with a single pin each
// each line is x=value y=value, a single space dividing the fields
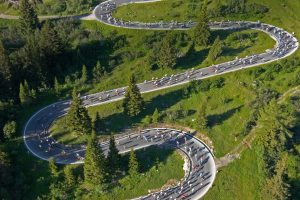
x=243 y=179
x=30 y=174
x=5 y=23
x=46 y=8
x=281 y=13
x=238 y=180
x=60 y=132
x=254 y=42
x=228 y=108
x=168 y=170
x=8 y=10
x=223 y=134
x=158 y=167
x=166 y=10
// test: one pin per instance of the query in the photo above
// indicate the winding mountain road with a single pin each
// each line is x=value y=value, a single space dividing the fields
x=200 y=164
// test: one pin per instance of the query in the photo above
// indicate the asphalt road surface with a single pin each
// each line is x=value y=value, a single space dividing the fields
x=201 y=169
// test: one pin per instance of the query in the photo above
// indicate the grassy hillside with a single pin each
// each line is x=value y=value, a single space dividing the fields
x=243 y=179
x=52 y=7
x=280 y=13
x=229 y=107
x=253 y=42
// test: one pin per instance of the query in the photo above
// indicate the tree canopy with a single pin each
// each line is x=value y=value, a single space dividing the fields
x=133 y=164
x=133 y=102
x=202 y=31
x=94 y=162
x=215 y=50
x=28 y=17
x=201 y=120
x=78 y=119
x=167 y=53
x=98 y=72
x=113 y=157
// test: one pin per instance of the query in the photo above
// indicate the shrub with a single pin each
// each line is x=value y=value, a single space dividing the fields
x=147 y=120
x=218 y=83
x=10 y=129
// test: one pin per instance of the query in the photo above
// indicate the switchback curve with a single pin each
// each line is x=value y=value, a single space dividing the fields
x=202 y=170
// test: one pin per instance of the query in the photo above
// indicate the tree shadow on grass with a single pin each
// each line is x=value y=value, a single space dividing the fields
x=192 y=58
x=223 y=34
x=147 y=158
x=119 y=121
x=71 y=139
x=76 y=141
x=227 y=51
x=89 y=51
x=220 y=118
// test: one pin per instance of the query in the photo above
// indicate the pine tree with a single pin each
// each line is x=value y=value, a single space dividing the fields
x=56 y=86
x=84 y=74
x=94 y=163
x=10 y=129
x=22 y=94
x=51 y=47
x=201 y=119
x=155 y=116
x=133 y=164
x=202 y=31
x=32 y=94
x=7 y=175
x=31 y=58
x=215 y=50
x=6 y=72
x=167 y=53
x=97 y=124
x=191 y=51
x=25 y=94
x=77 y=118
x=133 y=102
x=28 y=17
x=26 y=87
x=69 y=175
x=276 y=187
x=50 y=40
x=113 y=157
x=273 y=132
x=98 y=72
x=53 y=168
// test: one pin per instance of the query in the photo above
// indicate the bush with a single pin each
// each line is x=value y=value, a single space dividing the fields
x=257 y=8
x=296 y=79
x=59 y=6
x=238 y=7
x=204 y=85
x=220 y=82
x=175 y=14
x=257 y=72
x=176 y=4
x=147 y=120
x=197 y=86
x=10 y=129
x=155 y=116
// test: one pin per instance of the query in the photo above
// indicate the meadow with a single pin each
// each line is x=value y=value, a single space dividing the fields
x=229 y=107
